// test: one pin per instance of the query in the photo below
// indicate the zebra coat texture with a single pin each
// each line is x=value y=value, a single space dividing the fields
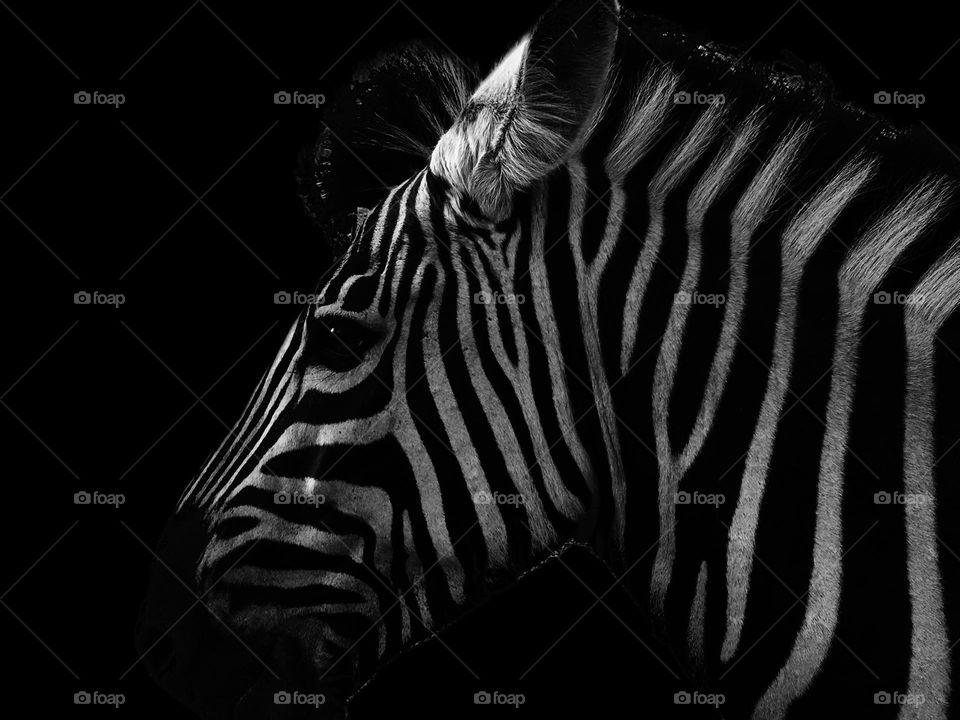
x=625 y=292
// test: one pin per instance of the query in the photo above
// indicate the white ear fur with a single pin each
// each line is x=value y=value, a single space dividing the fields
x=530 y=113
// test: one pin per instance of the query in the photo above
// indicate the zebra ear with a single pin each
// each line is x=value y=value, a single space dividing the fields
x=528 y=115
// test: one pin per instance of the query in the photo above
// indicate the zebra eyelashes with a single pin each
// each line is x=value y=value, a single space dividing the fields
x=338 y=344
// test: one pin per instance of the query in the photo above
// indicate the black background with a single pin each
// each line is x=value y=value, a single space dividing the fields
x=132 y=400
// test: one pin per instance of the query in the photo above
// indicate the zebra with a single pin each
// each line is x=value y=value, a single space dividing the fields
x=637 y=295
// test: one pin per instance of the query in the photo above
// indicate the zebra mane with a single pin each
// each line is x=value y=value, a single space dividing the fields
x=384 y=123
x=656 y=61
x=650 y=47
x=378 y=129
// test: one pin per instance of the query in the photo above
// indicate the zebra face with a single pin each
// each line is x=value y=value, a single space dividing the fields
x=417 y=442
x=333 y=497
x=335 y=480
x=356 y=504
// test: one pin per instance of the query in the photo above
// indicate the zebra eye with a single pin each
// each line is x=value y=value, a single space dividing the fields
x=338 y=344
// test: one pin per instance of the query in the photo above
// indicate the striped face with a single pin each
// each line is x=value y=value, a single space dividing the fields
x=524 y=344
x=394 y=462
x=353 y=471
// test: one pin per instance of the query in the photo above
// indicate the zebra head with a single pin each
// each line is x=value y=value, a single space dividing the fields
x=393 y=464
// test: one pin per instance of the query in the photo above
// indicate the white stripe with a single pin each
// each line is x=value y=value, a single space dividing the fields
x=505 y=435
x=672 y=466
x=415 y=575
x=408 y=435
x=374 y=245
x=935 y=299
x=550 y=335
x=673 y=172
x=212 y=476
x=221 y=485
x=588 y=289
x=800 y=240
x=643 y=122
x=696 y=628
x=862 y=270
x=461 y=443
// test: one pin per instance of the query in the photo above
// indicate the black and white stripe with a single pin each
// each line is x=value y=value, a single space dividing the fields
x=604 y=393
